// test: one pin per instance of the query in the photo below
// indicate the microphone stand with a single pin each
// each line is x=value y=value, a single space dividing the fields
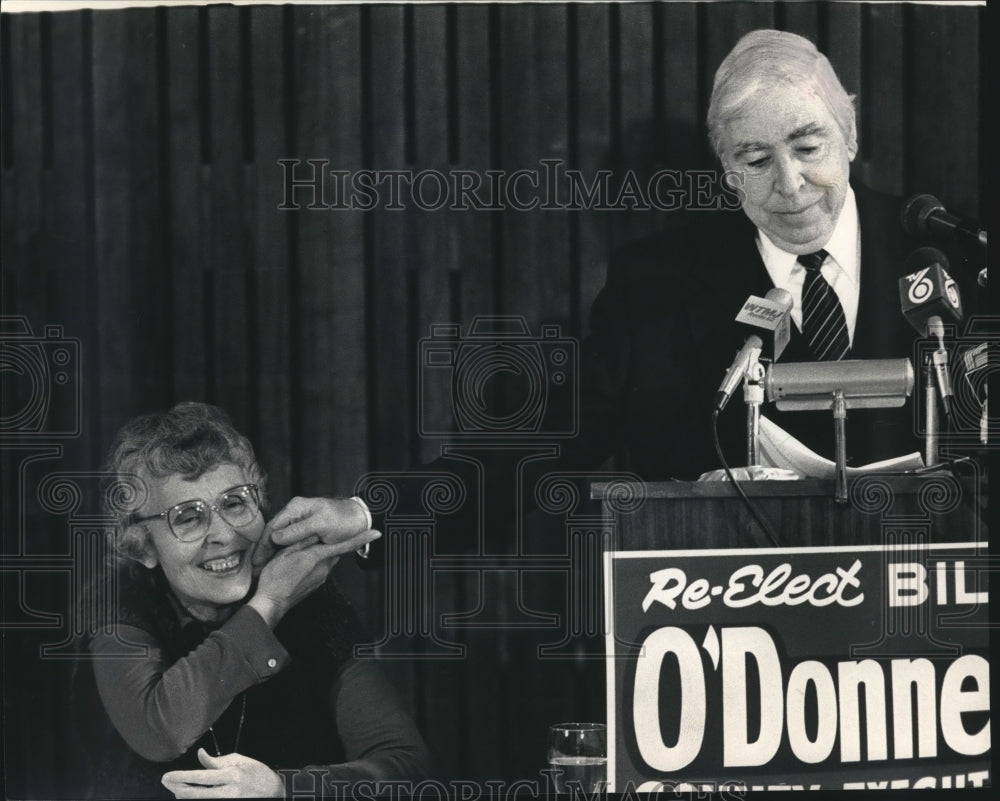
x=931 y=424
x=840 y=444
x=753 y=396
x=984 y=419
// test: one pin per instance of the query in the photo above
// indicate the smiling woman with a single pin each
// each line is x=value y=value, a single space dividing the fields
x=222 y=679
x=205 y=558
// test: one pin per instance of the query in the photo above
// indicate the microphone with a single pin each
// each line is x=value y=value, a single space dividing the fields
x=866 y=384
x=940 y=361
x=977 y=362
x=924 y=214
x=928 y=291
x=928 y=296
x=767 y=321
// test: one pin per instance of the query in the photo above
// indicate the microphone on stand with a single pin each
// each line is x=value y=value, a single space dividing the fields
x=928 y=297
x=940 y=361
x=976 y=361
x=768 y=322
x=923 y=214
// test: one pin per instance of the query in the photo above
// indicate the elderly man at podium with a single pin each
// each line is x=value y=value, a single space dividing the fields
x=662 y=329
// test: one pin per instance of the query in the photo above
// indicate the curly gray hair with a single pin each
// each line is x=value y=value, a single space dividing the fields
x=188 y=440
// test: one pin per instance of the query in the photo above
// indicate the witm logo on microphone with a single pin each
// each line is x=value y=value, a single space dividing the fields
x=760 y=311
x=772 y=314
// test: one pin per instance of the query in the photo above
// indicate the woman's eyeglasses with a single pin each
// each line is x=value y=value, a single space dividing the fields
x=189 y=521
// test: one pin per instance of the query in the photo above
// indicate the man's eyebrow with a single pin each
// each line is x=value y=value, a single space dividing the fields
x=809 y=129
x=748 y=147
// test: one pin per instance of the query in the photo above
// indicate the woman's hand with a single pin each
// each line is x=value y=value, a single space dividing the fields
x=334 y=521
x=229 y=776
x=292 y=574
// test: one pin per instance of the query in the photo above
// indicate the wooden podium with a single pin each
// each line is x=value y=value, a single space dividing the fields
x=731 y=663
x=938 y=507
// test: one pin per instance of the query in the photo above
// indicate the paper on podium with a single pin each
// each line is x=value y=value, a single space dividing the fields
x=778 y=448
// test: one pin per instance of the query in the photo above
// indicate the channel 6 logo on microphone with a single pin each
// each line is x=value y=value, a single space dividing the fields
x=498 y=379
x=929 y=284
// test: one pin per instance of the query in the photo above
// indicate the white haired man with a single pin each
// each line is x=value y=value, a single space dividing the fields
x=662 y=330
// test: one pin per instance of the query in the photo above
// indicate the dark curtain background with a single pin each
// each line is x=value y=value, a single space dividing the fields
x=146 y=260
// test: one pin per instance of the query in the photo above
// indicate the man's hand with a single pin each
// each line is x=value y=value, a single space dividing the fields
x=228 y=776
x=335 y=521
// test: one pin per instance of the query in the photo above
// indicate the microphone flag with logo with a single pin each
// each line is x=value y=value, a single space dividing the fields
x=929 y=297
x=928 y=291
x=767 y=322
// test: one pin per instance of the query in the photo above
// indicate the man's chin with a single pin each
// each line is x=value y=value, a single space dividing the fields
x=800 y=241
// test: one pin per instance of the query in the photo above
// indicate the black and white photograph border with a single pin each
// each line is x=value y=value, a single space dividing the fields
x=374 y=234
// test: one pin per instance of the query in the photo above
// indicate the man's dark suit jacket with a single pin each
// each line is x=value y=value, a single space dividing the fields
x=662 y=336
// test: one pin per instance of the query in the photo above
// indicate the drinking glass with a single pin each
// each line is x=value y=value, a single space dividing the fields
x=578 y=754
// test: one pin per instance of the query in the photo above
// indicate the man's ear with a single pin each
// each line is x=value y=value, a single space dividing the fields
x=852 y=140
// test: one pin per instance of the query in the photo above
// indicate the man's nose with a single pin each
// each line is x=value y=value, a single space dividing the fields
x=788 y=175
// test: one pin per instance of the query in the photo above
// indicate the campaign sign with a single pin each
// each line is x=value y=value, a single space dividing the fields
x=819 y=668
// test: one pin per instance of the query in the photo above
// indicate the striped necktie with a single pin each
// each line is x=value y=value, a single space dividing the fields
x=823 y=321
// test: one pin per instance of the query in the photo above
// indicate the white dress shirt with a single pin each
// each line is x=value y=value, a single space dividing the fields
x=842 y=270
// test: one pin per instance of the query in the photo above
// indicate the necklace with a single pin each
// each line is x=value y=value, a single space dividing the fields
x=239 y=729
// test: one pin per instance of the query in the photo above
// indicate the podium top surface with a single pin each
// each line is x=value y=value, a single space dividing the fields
x=900 y=484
